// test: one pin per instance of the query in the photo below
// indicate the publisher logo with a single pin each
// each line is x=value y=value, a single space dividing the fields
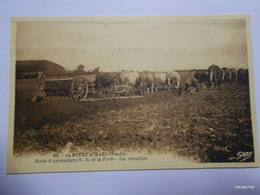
x=244 y=155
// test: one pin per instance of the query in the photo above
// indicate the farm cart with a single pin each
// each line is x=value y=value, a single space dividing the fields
x=77 y=87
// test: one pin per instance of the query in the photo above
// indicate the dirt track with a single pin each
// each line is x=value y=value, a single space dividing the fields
x=209 y=126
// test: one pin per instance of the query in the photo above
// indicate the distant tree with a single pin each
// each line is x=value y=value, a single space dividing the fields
x=80 y=67
x=96 y=70
x=79 y=71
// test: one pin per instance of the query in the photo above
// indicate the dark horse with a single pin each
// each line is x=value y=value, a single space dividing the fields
x=214 y=75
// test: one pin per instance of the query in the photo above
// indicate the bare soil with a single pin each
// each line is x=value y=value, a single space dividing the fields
x=208 y=125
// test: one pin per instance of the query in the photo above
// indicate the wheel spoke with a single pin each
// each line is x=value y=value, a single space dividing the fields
x=79 y=89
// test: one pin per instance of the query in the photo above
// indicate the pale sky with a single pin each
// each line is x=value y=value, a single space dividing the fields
x=135 y=44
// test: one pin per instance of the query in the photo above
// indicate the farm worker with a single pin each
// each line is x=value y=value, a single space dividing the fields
x=40 y=87
x=191 y=80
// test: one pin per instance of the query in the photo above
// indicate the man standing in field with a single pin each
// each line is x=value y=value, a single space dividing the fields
x=40 y=87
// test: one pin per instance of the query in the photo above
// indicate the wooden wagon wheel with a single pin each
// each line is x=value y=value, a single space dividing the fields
x=79 y=89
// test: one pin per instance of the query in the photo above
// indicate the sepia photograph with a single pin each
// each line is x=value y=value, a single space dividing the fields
x=128 y=93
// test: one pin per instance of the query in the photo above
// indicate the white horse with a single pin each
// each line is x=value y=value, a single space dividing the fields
x=175 y=77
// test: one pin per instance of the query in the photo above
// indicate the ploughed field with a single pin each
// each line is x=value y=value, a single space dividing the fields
x=205 y=126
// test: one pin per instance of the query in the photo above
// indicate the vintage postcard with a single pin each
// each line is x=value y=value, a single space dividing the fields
x=129 y=93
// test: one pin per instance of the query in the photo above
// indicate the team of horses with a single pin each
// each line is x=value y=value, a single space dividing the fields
x=218 y=76
x=147 y=81
x=143 y=82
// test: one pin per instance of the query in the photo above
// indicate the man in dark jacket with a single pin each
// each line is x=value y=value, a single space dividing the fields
x=191 y=80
